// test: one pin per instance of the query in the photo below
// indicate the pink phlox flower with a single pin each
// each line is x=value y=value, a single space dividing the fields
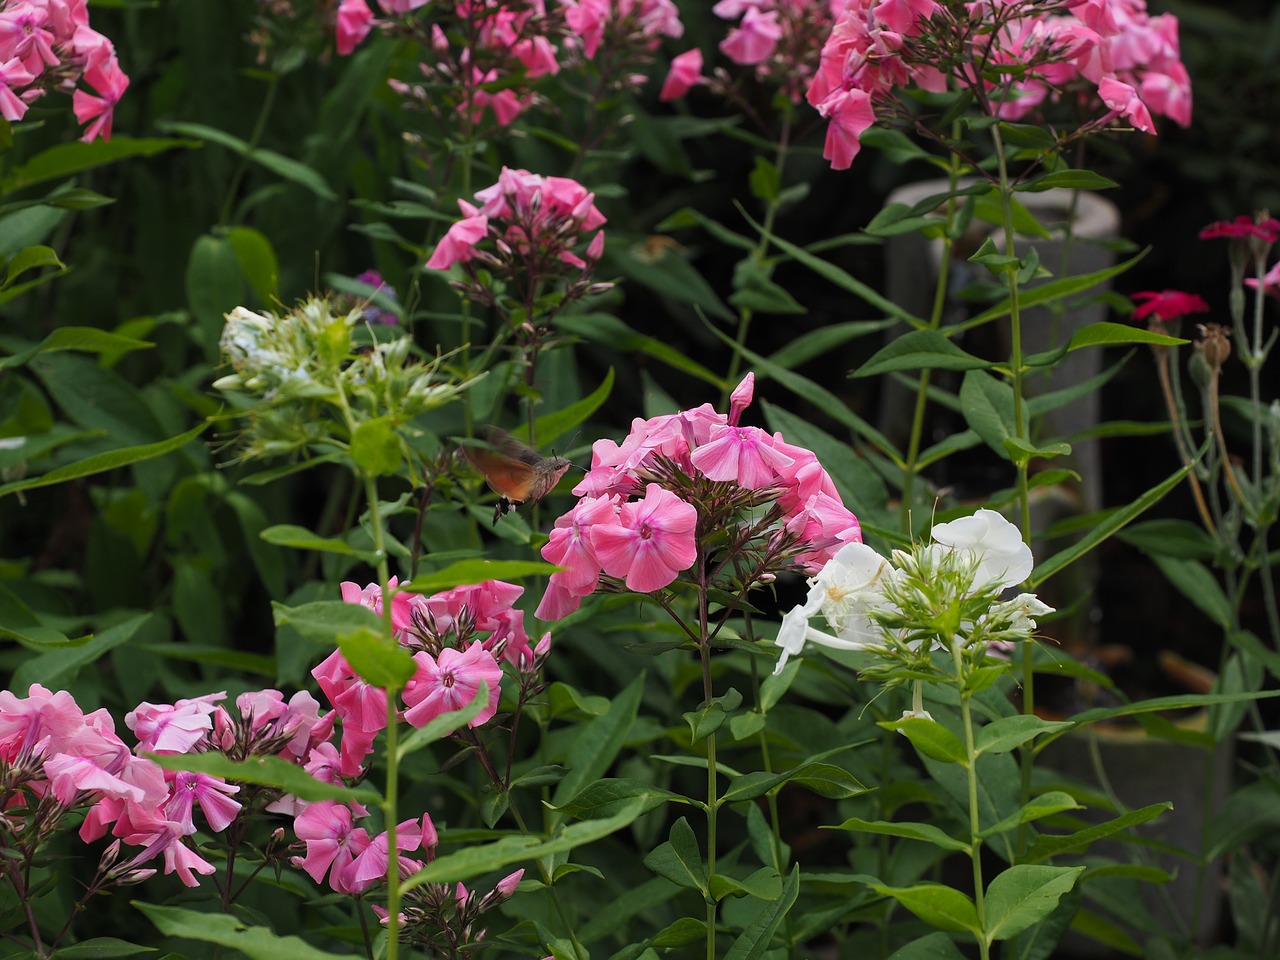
x=401 y=7
x=505 y=103
x=732 y=9
x=110 y=82
x=212 y=794
x=1124 y=100
x=70 y=776
x=740 y=399
x=1168 y=93
x=587 y=19
x=324 y=763
x=755 y=37
x=371 y=596
x=849 y=114
x=658 y=18
x=684 y=75
x=1270 y=282
x=458 y=245
x=1242 y=228
x=569 y=545
x=13 y=77
x=824 y=524
x=156 y=834
x=359 y=704
x=42 y=717
x=143 y=774
x=903 y=16
x=161 y=728
x=450 y=683
x=24 y=34
x=260 y=707
x=370 y=865
x=744 y=455
x=558 y=601
x=1166 y=304
x=308 y=728
x=507 y=885
x=332 y=841
x=650 y=543
x=91 y=47
x=355 y=20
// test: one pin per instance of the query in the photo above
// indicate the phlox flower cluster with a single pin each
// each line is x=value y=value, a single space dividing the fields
x=779 y=40
x=301 y=380
x=526 y=232
x=48 y=45
x=619 y=36
x=901 y=607
x=648 y=505
x=1109 y=56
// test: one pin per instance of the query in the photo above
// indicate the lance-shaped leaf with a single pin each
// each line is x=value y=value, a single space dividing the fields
x=267 y=772
x=1022 y=895
x=228 y=930
x=937 y=905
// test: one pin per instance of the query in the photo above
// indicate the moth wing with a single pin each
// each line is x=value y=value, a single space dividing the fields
x=508 y=446
x=507 y=476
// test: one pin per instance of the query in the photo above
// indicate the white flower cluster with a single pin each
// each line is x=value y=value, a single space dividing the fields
x=949 y=587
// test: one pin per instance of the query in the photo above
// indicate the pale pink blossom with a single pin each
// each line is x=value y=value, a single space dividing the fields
x=754 y=39
x=450 y=682
x=651 y=541
x=684 y=75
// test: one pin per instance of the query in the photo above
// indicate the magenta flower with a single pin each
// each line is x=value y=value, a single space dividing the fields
x=450 y=683
x=849 y=114
x=161 y=728
x=1270 y=282
x=743 y=454
x=110 y=83
x=211 y=794
x=1242 y=228
x=332 y=840
x=651 y=541
x=371 y=597
x=355 y=20
x=1167 y=304
x=370 y=864
x=684 y=75
x=1124 y=100
x=755 y=37
x=459 y=243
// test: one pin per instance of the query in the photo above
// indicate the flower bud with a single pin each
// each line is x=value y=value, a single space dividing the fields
x=507 y=885
x=1214 y=345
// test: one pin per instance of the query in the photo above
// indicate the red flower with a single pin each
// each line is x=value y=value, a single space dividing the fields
x=1243 y=227
x=1167 y=304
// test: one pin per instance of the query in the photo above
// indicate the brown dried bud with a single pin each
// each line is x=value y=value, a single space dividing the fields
x=1214 y=344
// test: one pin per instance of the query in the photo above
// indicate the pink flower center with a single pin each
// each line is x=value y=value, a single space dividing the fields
x=645 y=531
x=447 y=679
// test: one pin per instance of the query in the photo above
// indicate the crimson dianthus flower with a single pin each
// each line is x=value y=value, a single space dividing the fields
x=1242 y=228
x=1167 y=304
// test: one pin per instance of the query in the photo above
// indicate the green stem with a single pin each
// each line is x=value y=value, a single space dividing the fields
x=762 y=247
x=713 y=802
x=578 y=950
x=910 y=470
x=971 y=772
x=259 y=127
x=389 y=804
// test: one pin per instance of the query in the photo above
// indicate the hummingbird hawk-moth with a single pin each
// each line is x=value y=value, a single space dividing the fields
x=516 y=472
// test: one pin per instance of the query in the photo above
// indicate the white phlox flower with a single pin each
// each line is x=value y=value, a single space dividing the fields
x=845 y=591
x=994 y=542
x=1016 y=615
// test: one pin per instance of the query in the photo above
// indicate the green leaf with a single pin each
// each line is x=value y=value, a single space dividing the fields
x=58 y=665
x=754 y=941
x=553 y=425
x=824 y=340
x=465 y=572
x=268 y=772
x=278 y=164
x=755 y=291
x=66 y=159
x=100 y=948
x=476 y=859
x=1001 y=736
x=987 y=404
x=606 y=797
x=442 y=726
x=102 y=462
x=824 y=779
x=214 y=285
x=1068 y=180
x=763 y=884
x=1022 y=895
x=30 y=258
x=599 y=741
x=226 y=929
x=1050 y=846
x=679 y=860
x=84 y=339
x=1112 y=523
x=1106 y=334
x=1193 y=580
x=257 y=259
x=323 y=621
x=683 y=931
x=832 y=273
x=920 y=350
x=612 y=332
x=710 y=717
x=300 y=538
x=1037 y=808
x=1053 y=290
x=1098 y=928
x=375 y=448
x=764 y=180
x=937 y=905
x=910 y=831
x=931 y=738
x=1170 y=538
x=933 y=946
x=988 y=256
x=379 y=659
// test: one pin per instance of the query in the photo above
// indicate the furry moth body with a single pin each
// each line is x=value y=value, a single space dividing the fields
x=516 y=472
